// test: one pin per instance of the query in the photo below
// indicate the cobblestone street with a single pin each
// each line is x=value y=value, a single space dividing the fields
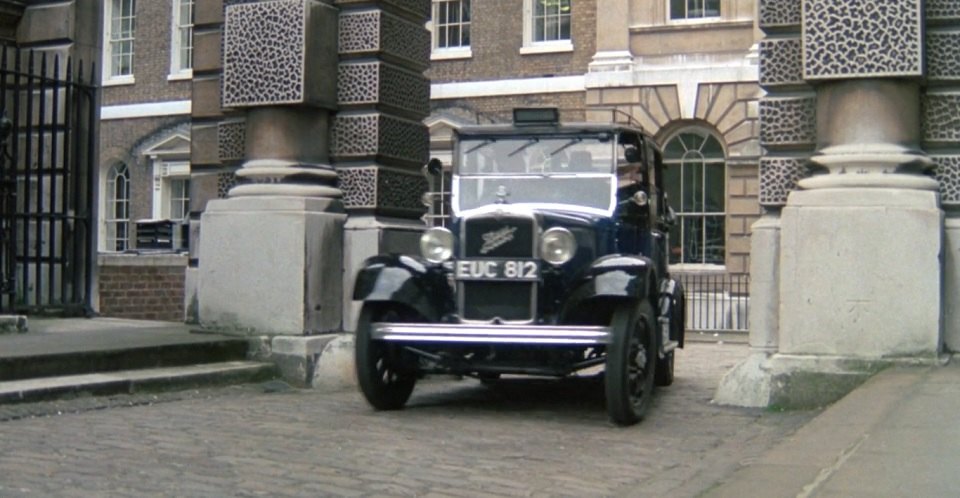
x=456 y=438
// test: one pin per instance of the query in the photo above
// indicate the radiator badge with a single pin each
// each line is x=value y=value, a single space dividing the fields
x=496 y=238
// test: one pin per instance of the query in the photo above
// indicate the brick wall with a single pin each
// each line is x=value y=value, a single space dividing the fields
x=147 y=287
x=500 y=107
x=496 y=36
x=151 y=62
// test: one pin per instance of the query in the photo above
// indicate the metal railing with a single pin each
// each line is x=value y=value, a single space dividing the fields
x=47 y=148
x=716 y=302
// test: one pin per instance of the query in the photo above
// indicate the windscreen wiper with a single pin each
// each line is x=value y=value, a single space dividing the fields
x=571 y=143
x=524 y=146
x=480 y=145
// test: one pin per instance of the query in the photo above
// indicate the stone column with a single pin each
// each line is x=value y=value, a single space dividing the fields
x=860 y=240
x=271 y=254
x=613 y=36
x=941 y=139
x=379 y=141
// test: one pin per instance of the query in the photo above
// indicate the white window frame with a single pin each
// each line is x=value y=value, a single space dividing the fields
x=445 y=53
x=692 y=20
x=109 y=43
x=542 y=47
x=109 y=239
x=677 y=203
x=165 y=173
x=178 y=31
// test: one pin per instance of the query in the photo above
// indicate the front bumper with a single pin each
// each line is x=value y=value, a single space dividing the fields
x=491 y=334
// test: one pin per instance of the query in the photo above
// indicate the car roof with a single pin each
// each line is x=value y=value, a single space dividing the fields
x=560 y=129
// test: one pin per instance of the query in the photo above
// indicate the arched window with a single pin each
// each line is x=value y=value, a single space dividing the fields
x=696 y=185
x=116 y=214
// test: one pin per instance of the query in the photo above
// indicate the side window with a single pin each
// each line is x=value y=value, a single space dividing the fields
x=116 y=215
x=118 y=46
x=696 y=180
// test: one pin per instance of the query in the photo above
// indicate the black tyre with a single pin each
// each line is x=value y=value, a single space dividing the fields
x=664 y=373
x=631 y=362
x=384 y=378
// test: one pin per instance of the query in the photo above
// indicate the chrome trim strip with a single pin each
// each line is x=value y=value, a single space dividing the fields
x=490 y=334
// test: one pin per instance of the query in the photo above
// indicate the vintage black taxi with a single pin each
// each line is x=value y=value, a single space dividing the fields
x=554 y=263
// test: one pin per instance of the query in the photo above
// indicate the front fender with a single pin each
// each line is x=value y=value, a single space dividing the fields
x=405 y=280
x=615 y=276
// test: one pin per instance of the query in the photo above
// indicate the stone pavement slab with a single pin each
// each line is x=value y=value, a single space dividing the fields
x=895 y=436
x=50 y=336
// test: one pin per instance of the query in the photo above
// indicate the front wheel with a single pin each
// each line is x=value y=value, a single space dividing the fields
x=631 y=363
x=384 y=379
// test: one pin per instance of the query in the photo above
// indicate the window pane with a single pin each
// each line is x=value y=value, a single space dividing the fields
x=692 y=185
x=552 y=30
x=678 y=9
x=714 y=188
x=538 y=29
x=454 y=35
x=714 y=240
x=712 y=8
x=692 y=239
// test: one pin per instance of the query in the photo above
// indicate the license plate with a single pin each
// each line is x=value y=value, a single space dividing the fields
x=497 y=269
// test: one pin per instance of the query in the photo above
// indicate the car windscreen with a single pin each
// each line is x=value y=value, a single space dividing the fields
x=572 y=169
x=584 y=190
x=536 y=154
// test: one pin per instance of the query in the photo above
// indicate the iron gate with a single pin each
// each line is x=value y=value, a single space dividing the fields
x=47 y=151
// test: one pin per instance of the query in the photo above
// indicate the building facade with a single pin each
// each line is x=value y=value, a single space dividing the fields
x=686 y=71
x=144 y=167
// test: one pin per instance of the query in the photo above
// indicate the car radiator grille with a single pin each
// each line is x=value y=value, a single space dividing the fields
x=484 y=300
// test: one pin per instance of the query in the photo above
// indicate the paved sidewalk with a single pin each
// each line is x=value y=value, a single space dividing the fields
x=48 y=336
x=897 y=435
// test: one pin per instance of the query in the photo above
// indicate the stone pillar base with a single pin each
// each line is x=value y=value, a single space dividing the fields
x=798 y=381
x=860 y=273
x=951 y=283
x=324 y=362
x=272 y=265
x=368 y=236
x=859 y=290
x=191 y=299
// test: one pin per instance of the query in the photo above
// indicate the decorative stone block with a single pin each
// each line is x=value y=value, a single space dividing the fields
x=266 y=46
x=379 y=83
x=225 y=182
x=781 y=62
x=415 y=10
x=231 y=137
x=778 y=177
x=942 y=10
x=948 y=174
x=380 y=137
x=383 y=190
x=943 y=55
x=372 y=33
x=862 y=38
x=941 y=118
x=788 y=121
x=779 y=13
